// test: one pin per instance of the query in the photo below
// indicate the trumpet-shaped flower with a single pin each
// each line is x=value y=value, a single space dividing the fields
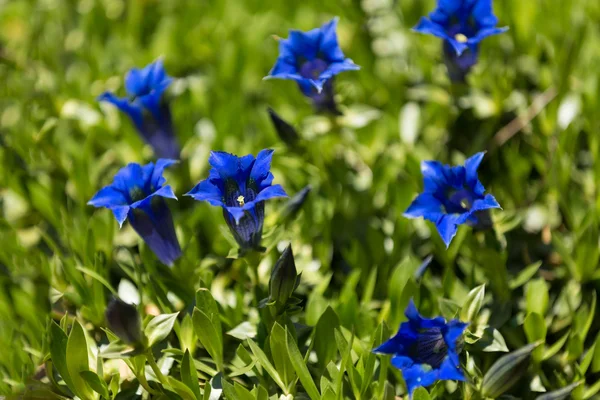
x=240 y=185
x=452 y=196
x=462 y=24
x=147 y=108
x=137 y=193
x=426 y=350
x=312 y=59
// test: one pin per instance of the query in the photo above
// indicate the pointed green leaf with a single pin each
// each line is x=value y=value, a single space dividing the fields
x=159 y=328
x=209 y=335
x=301 y=368
x=78 y=361
x=189 y=376
x=506 y=371
x=472 y=305
x=97 y=384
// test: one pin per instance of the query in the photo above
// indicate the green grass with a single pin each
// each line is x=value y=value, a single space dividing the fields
x=356 y=252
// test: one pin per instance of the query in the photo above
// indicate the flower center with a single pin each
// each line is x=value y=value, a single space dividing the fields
x=240 y=200
x=313 y=69
x=461 y=38
x=136 y=194
x=430 y=347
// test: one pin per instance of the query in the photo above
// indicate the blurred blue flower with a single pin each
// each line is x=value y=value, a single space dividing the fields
x=240 y=185
x=137 y=192
x=463 y=24
x=452 y=196
x=312 y=59
x=145 y=105
x=426 y=350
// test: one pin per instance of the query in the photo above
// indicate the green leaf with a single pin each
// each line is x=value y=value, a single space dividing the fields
x=181 y=389
x=243 y=331
x=58 y=352
x=525 y=275
x=492 y=341
x=236 y=391
x=448 y=308
x=324 y=338
x=472 y=305
x=97 y=384
x=159 y=328
x=506 y=371
x=421 y=394
x=280 y=356
x=78 y=361
x=209 y=335
x=536 y=294
x=301 y=368
x=559 y=394
x=189 y=376
x=555 y=348
x=535 y=330
x=266 y=364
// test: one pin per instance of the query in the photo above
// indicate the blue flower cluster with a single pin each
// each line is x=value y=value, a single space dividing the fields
x=425 y=350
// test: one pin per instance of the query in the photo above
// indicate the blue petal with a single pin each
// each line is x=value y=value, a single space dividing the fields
x=207 y=191
x=484 y=13
x=416 y=375
x=134 y=111
x=402 y=362
x=429 y=27
x=225 y=164
x=262 y=165
x=306 y=44
x=337 y=67
x=129 y=177
x=434 y=177
x=236 y=212
x=448 y=225
x=108 y=197
x=486 y=203
x=390 y=346
x=425 y=205
x=120 y=213
x=330 y=48
x=449 y=7
x=471 y=166
x=419 y=322
x=483 y=33
x=459 y=47
x=157 y=180
x=450 y=369
x=165 y=191
x=454 y=331
x=271 y=192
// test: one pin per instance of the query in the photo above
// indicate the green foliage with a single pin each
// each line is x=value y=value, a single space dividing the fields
x=528 y=286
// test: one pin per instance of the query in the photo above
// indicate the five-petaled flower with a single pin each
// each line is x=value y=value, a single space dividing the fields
x=240 y=185
x=147 y=108
x=452 y=196
x=426 y=350
x=137 y=193
x=463 y=24
x=312 y=59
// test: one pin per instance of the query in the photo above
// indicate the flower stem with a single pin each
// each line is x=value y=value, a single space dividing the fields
x=155 y=367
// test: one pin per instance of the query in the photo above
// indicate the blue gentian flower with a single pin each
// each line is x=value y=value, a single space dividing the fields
x=426 y=350
x=147 y=108
x=138 y=192
x=312 y=59
x=240 y=185
x=452 y=196
x=463 y=24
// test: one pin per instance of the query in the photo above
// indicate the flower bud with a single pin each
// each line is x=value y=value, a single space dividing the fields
x=284 y=279
x=124 y=320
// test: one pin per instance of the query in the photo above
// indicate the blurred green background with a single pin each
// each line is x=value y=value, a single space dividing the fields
x=58 y=146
